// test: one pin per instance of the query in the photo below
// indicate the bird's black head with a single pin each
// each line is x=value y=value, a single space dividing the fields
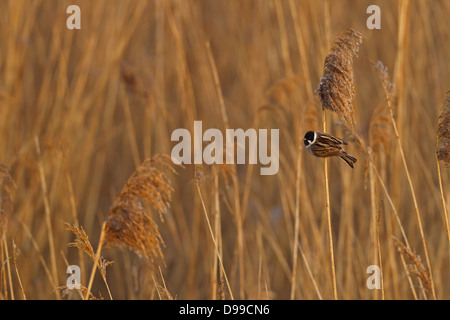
x=309 y=138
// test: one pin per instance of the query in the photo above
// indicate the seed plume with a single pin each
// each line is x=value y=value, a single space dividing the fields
x=388 y=86
x=443 y=135
x=379 y=130
x=82 y=243
x=6 y=187
x=416 y=266
x=130 y=223
x=336 y=87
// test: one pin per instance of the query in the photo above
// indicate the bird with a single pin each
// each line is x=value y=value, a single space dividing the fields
x=322 y=144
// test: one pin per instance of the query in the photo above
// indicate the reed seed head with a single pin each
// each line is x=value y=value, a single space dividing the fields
x=82 y=243
x=443 y=135
x=130 y=223
x=6 y=188
x=416 y=266
x=311 y=118
x=336 y=87
x=388 y=86
x=380 y=132
x=283 y=90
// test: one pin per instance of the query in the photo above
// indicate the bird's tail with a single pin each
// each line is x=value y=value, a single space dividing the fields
x=348 y=158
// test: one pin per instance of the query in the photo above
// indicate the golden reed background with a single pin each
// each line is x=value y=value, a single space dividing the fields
x=81 y=110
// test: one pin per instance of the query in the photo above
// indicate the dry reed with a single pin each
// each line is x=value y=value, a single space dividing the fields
x=82 y=243
x=416 y=266
x=100 y=101
x=388 y=88
x=7 y=187
x=336 y=88
x=239 y=216
x=16 y=253
x=380 y=134
x=443 y=135
x=130 y=223
x=443 y=152
x=199 y=176
x=336 y=92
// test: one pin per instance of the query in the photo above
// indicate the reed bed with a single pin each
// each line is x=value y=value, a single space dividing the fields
x=86 y=178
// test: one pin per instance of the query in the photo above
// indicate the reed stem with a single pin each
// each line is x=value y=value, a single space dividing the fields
x=97 y=257
x=297 y=223
x=443 y=200
x=327 y=205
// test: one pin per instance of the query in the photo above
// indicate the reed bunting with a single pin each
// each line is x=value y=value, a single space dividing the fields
x=321 y=144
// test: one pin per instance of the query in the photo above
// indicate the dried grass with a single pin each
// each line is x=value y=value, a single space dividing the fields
x=336 y=92
x=221 y=290
x=336 y=88
x=16 y=254
x=130 y=223
x=311 y=119
x=380 y=133
x=282 y=90
x=7 y=186
x=388 y=87
x=416 y=266
x=157 y=64
x=82 y=243
x=443 y=135
x=66 y=292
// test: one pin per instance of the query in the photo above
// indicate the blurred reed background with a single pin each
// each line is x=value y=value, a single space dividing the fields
x=80 y=111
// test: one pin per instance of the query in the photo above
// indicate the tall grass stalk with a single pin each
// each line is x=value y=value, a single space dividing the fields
x=328 y=209
x=336 y=92
x=402 y=230
x=8 y=267
x=236 y=197
x=216 y=246
x=16 y=253
x=387 y=86
x=375 y=228
x=97 y=257
x=443 y=150
x=48 y=218
x=297 y=220
x=444 y=205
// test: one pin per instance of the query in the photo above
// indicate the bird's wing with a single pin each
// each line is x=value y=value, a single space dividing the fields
x=328 y=151
x=330 y=140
